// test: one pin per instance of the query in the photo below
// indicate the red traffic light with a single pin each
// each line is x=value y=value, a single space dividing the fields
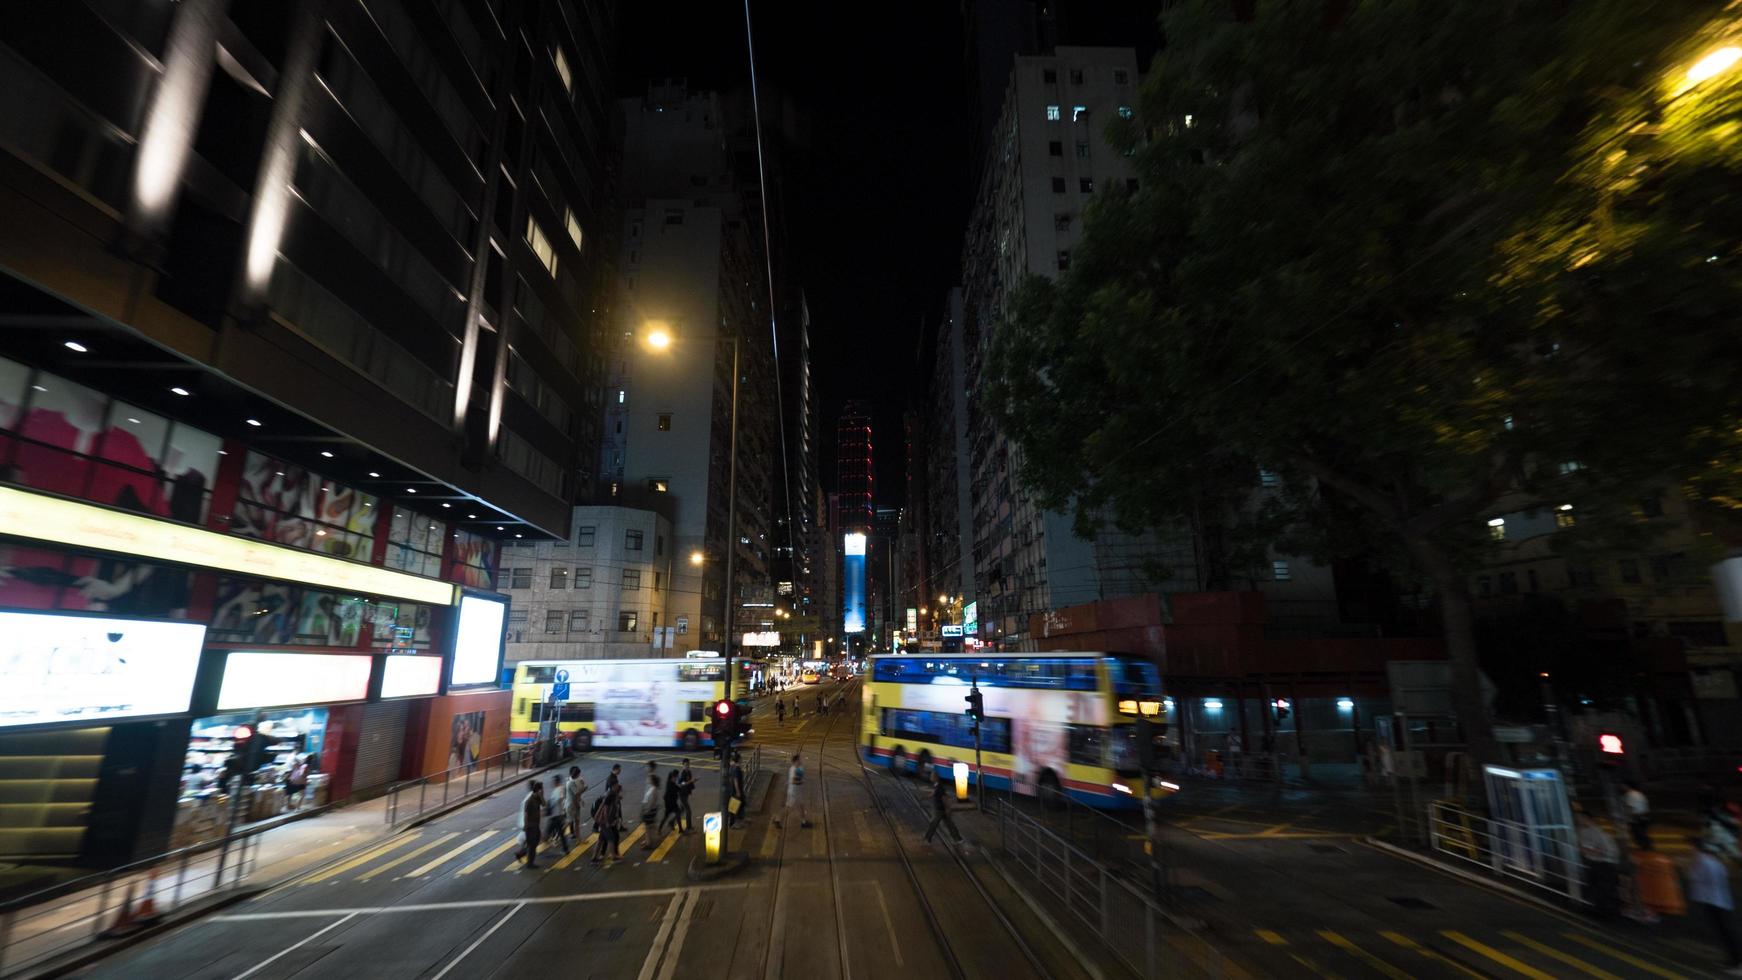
x=723 y=709
x=243 y=733
x=1610 y=744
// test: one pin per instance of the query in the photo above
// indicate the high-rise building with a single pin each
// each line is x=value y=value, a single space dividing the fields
x=302 y=308
x=600 y=592
x=948 y=538
x=855 y=473
x=692 y=269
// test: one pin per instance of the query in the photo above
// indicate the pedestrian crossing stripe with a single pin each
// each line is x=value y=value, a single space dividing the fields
x=491 y=854
x=1555 y=954
x=634 y=835
x=447 y=856
x=1347 y=946
x=1400 y=939
x=1510 y=962
x=770 y=842
x=407 y=856
x=1632 y=961
x=360 y=860
x=1271 y=936
x=575 y=855
x=664 y=848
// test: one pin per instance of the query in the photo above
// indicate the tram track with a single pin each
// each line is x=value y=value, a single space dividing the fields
x=892 y=823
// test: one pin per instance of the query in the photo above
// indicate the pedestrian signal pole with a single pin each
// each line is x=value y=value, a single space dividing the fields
x=976 y=712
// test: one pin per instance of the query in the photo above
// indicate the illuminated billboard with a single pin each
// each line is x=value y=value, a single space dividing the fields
x=478 y=641
x=406 y=675
x=94 y=669
x=971 y=619
x=853 y=583
x=268 y=680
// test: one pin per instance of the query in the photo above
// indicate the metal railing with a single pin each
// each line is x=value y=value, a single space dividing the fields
x=413 y=798
x=1543 y=860
x=39 y=927
x=1145 y=937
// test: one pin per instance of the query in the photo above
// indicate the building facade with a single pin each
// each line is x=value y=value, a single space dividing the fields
x=691 y=268
x=600 y=593
x=303 y=307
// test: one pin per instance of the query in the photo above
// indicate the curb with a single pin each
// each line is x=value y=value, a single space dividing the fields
x=1469 y=876
x=78 y=959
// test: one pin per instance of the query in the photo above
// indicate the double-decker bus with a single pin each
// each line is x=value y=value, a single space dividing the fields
x=619 y=703
x=1057 y=724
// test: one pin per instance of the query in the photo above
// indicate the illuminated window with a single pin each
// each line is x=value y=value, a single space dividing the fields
x=1266 y=478
x=1563 y=517
x=540 y=245
x=562 y=69
x=1497 y=529
x=1053 y=114
x=1125 y=112
x=573 y=226
x=1078 y=112
x=627 y=621
x=1279 y=571
x=622 y=395
x=659 y=485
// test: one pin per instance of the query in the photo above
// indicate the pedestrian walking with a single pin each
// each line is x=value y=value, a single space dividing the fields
x=556 y=815
x=605 y=820
x=531 y=817
x=795 y=793
x=649 y=811
x=1602 y=860
x=686 y=784
x=1638 y=808
x=673 y=814
x=780 y=711
x=574 y=801
x=940 y=808
x=1709 y=888
x=616 y=779
x=296 y=781
x=737 y=778
x=1721 y=827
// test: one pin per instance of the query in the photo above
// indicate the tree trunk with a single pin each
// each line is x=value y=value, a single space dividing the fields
x=1459 y=622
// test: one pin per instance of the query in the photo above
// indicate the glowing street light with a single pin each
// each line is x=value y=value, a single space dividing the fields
x=658 y=336
x=696 y=558
x=1714 y=64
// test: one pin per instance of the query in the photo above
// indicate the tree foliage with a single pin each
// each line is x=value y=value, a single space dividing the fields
x=1415 y=255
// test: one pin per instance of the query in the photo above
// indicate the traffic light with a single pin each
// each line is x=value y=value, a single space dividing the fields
x=976 y=705
x=246 y=748
x=723 y=717
x=1609 y=744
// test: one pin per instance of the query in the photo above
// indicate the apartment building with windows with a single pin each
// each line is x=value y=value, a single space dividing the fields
x=602 y=592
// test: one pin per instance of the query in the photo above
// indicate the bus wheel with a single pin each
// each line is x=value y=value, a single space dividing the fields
x=897 y=761
x=583 y=741
x=692 y=740
x=923 y=769
x=1052 y=795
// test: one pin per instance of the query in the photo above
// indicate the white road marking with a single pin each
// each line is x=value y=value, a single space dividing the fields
x=275 y=957
x=657 y=947
x=478 y=942
x=888 y=923
x=479 y=903
x=669 y=970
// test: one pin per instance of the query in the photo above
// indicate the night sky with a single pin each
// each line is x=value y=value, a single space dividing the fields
x=876 y=216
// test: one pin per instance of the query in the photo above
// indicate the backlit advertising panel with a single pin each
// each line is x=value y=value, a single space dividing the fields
x=853 y=583
x=409 y=675
x=269 y=680
x=478 y=641
x=971 y=619
x=93 y=669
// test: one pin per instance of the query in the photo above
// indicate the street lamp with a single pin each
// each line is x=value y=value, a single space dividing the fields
x=1714 y=64
x=658 y=337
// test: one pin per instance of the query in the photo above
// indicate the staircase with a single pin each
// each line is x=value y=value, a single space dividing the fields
x=47 y=781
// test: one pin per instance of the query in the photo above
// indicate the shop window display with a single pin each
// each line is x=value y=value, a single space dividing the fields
x=294 y=741
x=287 y=504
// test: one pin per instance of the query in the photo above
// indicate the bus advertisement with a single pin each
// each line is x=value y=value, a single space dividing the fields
x=617 y=703
x=1057 y=724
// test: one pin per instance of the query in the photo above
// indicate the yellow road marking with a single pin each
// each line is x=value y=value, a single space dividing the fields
x=401 y=859
x=664 y=848
x=1415 y=947
x=1311 y=966
x=770 y=841
x=492 y=854
x=1510 y=962
x=437 y=862
x=361 y=859
x=1271 y=936
x=1567 y=958
x=575 y=855
x=1274 y=830
x=864 y=830
x=634 y=835
x=801 y=725
x=1632 y=961
x=1375 y=962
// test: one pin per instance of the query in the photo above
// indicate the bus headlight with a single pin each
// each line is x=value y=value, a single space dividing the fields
x=1121 y=787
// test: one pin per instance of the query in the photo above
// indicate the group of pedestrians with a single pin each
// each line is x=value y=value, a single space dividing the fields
x=556 y=815
x=824 y=703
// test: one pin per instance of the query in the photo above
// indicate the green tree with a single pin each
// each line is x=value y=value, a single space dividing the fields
x=1412 y=256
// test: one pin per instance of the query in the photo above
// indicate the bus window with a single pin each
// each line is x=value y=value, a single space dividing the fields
x=1088 y=745
x=946 y=728
x=1134 y=676
x=577 y=711
x=541 y=674
x=698 y=711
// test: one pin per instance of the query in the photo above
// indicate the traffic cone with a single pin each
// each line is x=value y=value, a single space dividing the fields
x=125 y=921
x=147 y=910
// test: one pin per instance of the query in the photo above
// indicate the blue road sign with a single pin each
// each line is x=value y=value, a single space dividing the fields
x=560 y=690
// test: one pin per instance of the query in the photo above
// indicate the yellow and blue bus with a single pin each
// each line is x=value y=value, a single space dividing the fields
x=1057 y=724
x=620 y=703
